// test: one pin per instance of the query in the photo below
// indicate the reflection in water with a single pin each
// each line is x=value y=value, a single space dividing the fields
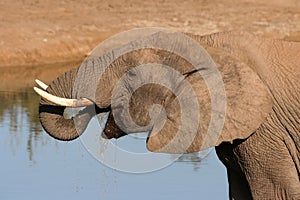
x=70 y=171
x=196 y=159
x=19 y=112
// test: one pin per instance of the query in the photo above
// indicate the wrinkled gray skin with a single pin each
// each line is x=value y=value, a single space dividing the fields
x=260 y=141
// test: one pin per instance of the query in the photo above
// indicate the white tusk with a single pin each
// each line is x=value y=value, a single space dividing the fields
x=63 y=101
x=41 y=84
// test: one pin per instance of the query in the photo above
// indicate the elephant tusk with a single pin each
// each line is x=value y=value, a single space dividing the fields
x=41 y=84
x=63 y=101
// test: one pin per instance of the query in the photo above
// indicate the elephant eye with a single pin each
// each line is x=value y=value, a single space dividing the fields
x=131 y=73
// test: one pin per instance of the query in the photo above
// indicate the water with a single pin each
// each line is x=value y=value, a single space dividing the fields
x=36 y=166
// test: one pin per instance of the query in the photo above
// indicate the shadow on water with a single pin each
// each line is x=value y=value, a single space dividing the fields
x=19 y=112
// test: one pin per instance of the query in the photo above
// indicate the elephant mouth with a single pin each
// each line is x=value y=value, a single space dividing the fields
x=110 y=129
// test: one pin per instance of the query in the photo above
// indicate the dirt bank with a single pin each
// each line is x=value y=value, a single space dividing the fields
x=38 y=37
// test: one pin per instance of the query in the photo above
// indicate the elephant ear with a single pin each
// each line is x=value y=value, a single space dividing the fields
x=247 y=104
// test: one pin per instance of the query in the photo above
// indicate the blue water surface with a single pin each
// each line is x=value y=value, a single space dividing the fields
x=36 y=166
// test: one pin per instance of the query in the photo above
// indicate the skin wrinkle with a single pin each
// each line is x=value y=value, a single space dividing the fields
x=286 y=118
x=290 y=143
x=189 y=73
x=256 y=160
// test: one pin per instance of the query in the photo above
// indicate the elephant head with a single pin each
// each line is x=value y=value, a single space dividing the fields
x=116 y=84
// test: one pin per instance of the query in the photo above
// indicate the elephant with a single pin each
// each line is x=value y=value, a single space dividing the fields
x=259 y=143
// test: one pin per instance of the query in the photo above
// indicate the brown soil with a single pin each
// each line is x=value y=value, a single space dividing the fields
x=43 y=38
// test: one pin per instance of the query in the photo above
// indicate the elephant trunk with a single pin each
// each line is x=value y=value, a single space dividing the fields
x=52 y=116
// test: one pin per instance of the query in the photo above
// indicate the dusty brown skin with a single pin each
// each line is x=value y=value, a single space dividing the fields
x=260 y=141
x=267 y=164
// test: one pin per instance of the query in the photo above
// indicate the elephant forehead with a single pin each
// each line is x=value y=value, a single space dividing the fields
x=61 y=86
x=89 y=72
x=163 y=48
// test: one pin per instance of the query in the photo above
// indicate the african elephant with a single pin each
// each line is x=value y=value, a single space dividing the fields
x=259 y=142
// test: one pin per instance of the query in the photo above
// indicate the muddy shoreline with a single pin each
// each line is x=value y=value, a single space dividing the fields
x=22 y=78
x=42 y=39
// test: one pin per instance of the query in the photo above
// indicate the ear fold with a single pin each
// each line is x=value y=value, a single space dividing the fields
x=248 y=103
